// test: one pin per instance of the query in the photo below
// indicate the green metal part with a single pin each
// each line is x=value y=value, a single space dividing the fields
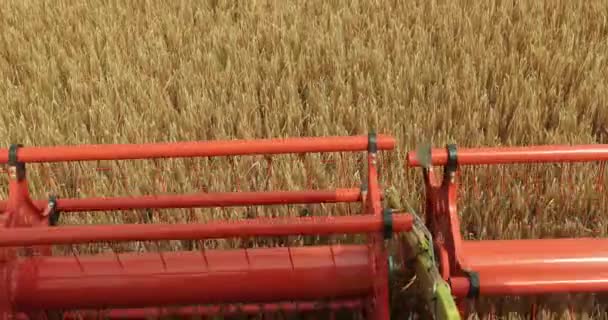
x=419 y=253
x=435 y=291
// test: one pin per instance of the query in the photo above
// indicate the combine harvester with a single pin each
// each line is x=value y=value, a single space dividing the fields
x=330 y=278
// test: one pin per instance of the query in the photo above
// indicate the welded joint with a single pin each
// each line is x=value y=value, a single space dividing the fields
x=16 y=168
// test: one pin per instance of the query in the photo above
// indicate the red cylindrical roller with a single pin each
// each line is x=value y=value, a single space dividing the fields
x=202 y=200
x=196 y=149
x=181 y=278
x=226 y=229
x=532 y=154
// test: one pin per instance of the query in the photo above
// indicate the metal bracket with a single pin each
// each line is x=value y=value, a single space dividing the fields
x=13 y=162
x=372 y=143
x=473 y=284
x=53 y=212
x=388 y=223
x=452 y=163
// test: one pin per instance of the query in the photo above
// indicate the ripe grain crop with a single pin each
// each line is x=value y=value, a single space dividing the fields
x=477 y=73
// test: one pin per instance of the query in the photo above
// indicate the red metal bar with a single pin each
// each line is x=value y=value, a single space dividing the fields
x=529 y=267
x=225 y=229
x=195 y=149
x=564 y=254
x=531 y=154
x=226 y=310
x=378 y=252
x=536 y=281
x=202 y=200
x=182 y=278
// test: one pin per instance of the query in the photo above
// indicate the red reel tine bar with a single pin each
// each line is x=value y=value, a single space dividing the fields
x=136 y=285
x=477 y=268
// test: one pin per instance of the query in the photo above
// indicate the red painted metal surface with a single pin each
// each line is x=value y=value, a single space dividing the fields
x=213 y=310
x=349 y=276
x=531 y=254
x=535 y=266
x=202 y=200
x=195 y=231
x=196 y=149
x=538 y=280
x=508 y=267
x=213 y=276
x=379 y=255
x=506 y=155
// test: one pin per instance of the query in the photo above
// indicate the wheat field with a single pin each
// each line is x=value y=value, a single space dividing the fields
x=476 y=73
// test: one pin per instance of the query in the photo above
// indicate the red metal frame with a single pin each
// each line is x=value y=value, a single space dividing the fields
x=260 y=227
x=508 y=267
x=225 y=310
x=201 y=200
x=180 y=278
x=33 y=280
x=195 y=149
x=510 y=155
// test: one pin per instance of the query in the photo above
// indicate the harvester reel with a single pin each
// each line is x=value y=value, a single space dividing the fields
x=356 y=274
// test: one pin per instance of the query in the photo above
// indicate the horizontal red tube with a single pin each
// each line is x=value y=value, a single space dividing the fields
x=203 y=200
x=542 y=280
x=242 y=228
x=196 y=149
x=531 y=267
x=505 y=155
x=225 y=310
x=182 y=278
x=531 y=254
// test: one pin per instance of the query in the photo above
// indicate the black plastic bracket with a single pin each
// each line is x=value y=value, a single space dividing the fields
x=53 y=212
x=13 y=161
x=473 y=284
x=452 y=163
x=364 y=186
x=372 y=143
x=388 y=223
